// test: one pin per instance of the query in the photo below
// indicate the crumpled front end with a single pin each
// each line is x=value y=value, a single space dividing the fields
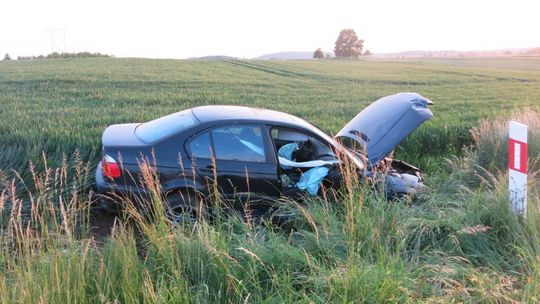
x=398 y=179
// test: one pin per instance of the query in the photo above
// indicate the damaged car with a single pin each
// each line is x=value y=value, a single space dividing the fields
x=259 y=155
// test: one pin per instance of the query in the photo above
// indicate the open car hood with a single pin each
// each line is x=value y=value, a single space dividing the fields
x=381 y=126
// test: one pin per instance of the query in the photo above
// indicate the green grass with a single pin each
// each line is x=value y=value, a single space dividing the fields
x=459 y=243
x=450 y=246
x=59 y=106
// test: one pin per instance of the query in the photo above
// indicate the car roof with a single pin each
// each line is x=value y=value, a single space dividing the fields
x=238 y=113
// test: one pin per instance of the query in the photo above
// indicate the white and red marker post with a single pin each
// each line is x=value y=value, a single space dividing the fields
x=517 y=167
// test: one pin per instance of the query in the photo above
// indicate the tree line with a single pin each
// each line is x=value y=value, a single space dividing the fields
x=61 y=55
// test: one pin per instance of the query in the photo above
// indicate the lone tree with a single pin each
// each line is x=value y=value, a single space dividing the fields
x=348 y=45
x=7 y=57
x=367 y=53
x=318 y=54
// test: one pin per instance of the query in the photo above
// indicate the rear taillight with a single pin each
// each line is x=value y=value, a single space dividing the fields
x=110 y=167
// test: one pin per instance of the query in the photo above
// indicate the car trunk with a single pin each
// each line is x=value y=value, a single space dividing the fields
x=120 y=142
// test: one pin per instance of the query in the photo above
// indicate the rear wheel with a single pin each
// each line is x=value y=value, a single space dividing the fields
x=184 y=206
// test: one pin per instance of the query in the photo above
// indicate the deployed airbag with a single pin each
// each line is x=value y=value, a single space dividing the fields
x=311 y=179
x=309 y=164
x=286 y=152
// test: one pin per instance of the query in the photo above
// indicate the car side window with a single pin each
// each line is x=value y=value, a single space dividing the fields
x=299 y=146
x=241 y=143
x=201 y=146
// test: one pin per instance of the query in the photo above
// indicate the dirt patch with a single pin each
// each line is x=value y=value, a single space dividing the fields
x=101 y=226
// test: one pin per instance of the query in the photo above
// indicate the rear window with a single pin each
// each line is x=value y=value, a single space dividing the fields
x=162 y=127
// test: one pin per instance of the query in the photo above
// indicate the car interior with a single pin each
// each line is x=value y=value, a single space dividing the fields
x=298 y=153
x=308 y=147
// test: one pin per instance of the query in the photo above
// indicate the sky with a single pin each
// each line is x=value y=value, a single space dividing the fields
x=183 y=29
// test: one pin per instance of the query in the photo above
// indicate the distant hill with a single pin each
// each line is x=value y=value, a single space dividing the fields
x=214 y=57
x=535 y=51
x=452 y=53
x=412 y=54
x=287 y=56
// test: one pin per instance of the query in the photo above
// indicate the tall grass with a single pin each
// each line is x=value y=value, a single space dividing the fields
x=459 y=245
x=491 y=140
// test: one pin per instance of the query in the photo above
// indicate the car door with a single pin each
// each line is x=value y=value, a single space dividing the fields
x=236 y=158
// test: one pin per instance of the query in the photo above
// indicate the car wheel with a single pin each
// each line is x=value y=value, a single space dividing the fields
x=183 y=206
x=182 y=216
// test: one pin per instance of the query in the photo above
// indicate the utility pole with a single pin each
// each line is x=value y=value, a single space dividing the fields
x=58 y=40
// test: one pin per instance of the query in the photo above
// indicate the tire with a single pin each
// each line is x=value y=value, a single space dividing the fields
x=183 y=206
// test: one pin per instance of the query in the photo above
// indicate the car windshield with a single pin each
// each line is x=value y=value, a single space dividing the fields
x=162 y=127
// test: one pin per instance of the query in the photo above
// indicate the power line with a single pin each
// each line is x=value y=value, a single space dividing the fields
x=58 y=40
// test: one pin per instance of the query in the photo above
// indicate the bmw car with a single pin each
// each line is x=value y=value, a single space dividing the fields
x=256 y=155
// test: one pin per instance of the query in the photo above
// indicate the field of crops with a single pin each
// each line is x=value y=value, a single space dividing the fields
x=58 y=106
x=459 y=243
